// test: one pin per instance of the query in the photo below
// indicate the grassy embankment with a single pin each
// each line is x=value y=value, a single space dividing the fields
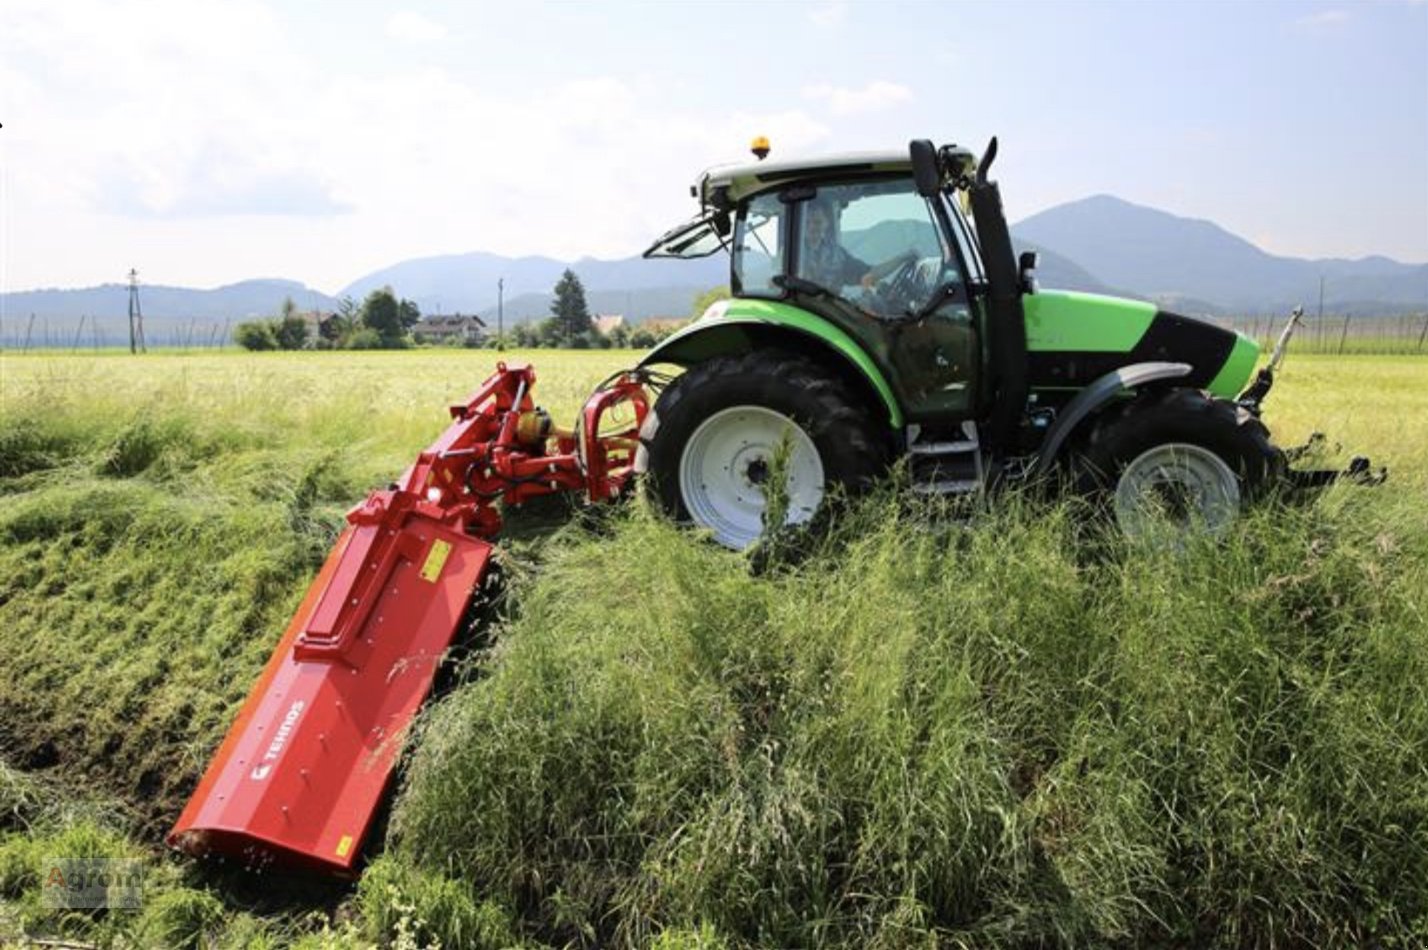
x=1003 y=735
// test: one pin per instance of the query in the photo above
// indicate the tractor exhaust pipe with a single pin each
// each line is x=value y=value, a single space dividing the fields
x=1008 y=320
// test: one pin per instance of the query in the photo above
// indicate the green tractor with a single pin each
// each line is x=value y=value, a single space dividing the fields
x=879 y=313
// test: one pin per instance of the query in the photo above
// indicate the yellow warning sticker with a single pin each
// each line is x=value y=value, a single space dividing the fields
x=344 y=845
x=435 y=560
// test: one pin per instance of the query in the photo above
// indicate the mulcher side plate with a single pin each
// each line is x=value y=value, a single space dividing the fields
x=304 y=768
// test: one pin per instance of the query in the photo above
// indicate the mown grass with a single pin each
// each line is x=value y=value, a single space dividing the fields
x=1002 y=733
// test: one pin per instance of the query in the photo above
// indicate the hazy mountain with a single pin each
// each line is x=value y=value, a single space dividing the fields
x=1100 y=244
x=171 y=314
x=1054 y=270
x=633 y=286
x=1173 y=259
x=237 y=301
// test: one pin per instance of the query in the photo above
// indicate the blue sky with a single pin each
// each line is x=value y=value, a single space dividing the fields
x=206 y=142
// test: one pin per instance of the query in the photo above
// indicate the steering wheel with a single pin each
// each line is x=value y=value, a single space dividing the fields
x=895 y=292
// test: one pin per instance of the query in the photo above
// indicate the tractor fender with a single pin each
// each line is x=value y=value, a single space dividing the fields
x=778 y=325
x=1094 y=398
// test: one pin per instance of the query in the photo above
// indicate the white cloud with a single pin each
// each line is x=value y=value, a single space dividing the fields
x=411 y=27
x=874 y=97
x=165 y=141
x=213 y=187
x=1322 y=20
x=829 y=15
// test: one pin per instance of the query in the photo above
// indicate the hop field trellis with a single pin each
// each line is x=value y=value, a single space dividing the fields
x=1342 y=334
x=1369 y=334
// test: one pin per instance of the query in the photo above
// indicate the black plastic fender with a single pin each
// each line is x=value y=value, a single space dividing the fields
x=1096 y=396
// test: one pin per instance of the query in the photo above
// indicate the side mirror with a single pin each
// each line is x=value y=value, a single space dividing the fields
x=925 y=173
x=1025 y=264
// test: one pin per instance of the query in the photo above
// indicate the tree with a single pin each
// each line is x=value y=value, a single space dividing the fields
x=290 y=332
x=255 y=335
x=383 y=315
x=408 y=313
x=703 y=301
x=333 y=331
x=551 y=332
x=365 y=338
x=571 y=315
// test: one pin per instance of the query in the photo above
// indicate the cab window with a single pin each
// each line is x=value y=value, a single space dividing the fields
x=758 y=247
x=876 y=245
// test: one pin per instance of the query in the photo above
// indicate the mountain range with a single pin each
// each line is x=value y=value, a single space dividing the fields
x=1100 y=244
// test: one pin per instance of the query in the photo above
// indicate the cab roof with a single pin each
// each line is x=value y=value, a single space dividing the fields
x=747 y=178
x=750 y=177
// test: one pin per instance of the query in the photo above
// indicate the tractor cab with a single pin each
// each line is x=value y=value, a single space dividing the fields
x=852 y=240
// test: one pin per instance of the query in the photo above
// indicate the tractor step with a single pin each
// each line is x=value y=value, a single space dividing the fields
x=942 y=448
x=946 y=466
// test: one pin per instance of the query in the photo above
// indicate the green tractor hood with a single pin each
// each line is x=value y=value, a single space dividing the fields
x=1074 y=338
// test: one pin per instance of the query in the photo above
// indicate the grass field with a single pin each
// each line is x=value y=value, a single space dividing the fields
x=1009 y=735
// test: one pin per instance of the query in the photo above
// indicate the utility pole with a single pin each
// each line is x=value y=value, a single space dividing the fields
x=136 y=316
x=500 y=313
x=1321 y=309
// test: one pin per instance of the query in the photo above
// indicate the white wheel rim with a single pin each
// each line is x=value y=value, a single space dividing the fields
x=721 y=468
x=1176 y=486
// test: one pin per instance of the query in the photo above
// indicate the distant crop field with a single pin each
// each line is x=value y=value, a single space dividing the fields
x=996 y=732
x=393 y=402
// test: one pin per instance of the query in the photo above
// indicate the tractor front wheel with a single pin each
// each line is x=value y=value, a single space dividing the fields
x=720 y=432
x=1178 y=460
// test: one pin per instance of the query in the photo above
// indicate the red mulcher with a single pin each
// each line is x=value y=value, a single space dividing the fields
x=305 y=766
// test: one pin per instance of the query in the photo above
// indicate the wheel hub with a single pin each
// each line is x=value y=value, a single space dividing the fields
x=1176 y=486
x=727 y=467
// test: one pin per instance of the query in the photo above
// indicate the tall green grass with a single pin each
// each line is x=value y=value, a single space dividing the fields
x=989 y=734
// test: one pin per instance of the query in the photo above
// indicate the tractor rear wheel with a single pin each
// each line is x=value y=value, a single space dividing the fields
x=1178 y=460
x=712 y=439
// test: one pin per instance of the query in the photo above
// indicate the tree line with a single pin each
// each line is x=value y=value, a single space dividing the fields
x=380 y=322
x=384 y=321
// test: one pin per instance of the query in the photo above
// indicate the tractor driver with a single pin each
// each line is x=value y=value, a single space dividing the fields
x=827 y=263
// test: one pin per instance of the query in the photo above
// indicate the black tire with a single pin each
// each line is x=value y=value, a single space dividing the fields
x=852 y=447
x=1178 y=417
